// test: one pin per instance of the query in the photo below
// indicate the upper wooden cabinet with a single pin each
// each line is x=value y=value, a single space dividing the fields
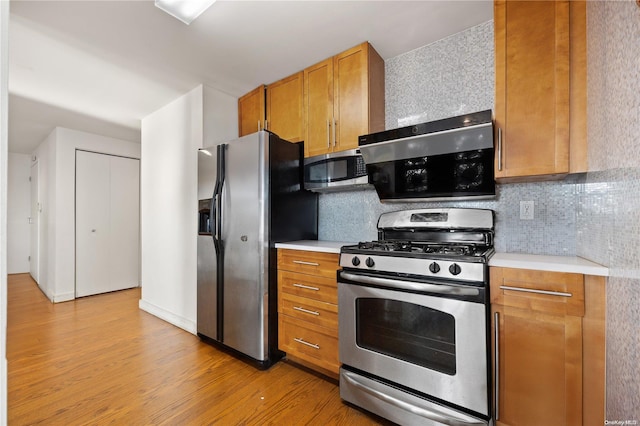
x=284 y=108
x=251 y=112
x=534 y=88
x=343 y=99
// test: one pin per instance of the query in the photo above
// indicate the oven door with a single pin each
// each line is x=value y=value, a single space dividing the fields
x=432 y=340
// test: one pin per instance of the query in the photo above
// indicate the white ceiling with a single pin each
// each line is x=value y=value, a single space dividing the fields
x=101 y=66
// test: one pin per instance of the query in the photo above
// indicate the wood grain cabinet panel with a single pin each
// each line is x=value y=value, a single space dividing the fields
x=343 y=99
x=309 y=262
x=310 y=286
x=547 y=340
x=285 y=115
x=308 y=310
x=313 y=344
x=251 y=111
x=532 y=88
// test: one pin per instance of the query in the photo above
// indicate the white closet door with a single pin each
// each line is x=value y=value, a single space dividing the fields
x=107 y=223
x=92 y=223
x=124 y=244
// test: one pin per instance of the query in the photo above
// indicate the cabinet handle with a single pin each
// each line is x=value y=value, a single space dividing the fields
x=258 y=125
x=266 y=125
x=328 y=134
x=306 y=311
x=335 y=142
x=313 y=345
x=496 y=363
x=499 y=149
x=301 y=262
x=307 y=287
x=531 y=290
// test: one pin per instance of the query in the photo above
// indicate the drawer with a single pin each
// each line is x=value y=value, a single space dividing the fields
x=311 y=286
x=549 y=292
x=309 y=342
x=309 y=262
x=320 y=313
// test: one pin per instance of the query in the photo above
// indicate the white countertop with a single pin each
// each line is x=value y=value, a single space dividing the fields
x=315 y=245
x=572 y=264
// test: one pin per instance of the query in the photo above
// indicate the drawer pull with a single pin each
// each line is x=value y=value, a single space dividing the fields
x=531 y=290
x=301 y=262
x=314 y=346
x=306 y=311
x=306 y=287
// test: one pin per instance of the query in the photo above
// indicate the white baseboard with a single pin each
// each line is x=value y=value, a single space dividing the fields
x=63 y=297
x=167 y=316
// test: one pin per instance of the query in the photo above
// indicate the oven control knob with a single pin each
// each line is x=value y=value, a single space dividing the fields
x=369 y=262
x=434 y=268
x=455 y=269
x=355 y=261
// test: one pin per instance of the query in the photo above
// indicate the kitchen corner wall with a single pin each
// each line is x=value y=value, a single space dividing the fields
x=171 y=137
x=450 y=77
x=608 y=219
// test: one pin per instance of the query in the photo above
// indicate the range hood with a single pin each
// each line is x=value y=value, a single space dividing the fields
x=446 y=159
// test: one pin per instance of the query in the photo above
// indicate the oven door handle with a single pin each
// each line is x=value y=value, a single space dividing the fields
x=430 y=413
x=409 y=285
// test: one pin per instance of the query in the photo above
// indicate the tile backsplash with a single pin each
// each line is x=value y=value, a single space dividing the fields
x=353 y=216
x=450 y=77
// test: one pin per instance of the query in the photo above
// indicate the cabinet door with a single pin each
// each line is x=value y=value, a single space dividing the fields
x=285 y=115
x=358 y=76
x=351 y=104
x=540 y=367
x=532 y=88
x=251 y=112
x=318 y=108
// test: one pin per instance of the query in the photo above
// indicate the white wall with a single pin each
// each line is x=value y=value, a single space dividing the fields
x=56 y=159
x=171 y=137
x=4 y=106
x=45 y=155
x=19 y=210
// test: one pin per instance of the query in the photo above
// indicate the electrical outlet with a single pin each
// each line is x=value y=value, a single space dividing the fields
x=526 y=210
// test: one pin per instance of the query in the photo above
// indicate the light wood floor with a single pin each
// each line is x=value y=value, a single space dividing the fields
x=101 y=360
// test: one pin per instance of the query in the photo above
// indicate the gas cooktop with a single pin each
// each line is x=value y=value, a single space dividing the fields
x=453 y=244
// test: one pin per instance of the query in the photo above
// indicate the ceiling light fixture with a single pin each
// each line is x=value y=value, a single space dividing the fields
x=184 y=10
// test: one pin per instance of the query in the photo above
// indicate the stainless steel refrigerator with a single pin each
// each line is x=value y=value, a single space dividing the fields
x=250 y=197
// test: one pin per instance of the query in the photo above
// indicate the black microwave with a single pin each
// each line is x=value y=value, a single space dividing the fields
x=336 y=171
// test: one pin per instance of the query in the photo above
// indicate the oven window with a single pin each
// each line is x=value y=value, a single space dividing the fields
x=407 y=331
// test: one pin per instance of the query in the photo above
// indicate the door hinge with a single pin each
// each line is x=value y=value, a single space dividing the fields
x=30 y=221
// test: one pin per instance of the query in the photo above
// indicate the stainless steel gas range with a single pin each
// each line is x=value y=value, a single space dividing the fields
x=414 y=318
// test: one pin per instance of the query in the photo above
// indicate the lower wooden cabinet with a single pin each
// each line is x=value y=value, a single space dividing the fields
x=308 y=310
x=544 y=334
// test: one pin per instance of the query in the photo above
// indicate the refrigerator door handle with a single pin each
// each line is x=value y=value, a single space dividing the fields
x=217 y=198
x=222 y=162
x=218 y=241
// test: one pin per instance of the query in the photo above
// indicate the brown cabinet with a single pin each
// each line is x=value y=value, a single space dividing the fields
x=540 y=89
x=251 y=112
x=541 y=347
x=343 y=99
x=308 y=310
x=284 y=108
